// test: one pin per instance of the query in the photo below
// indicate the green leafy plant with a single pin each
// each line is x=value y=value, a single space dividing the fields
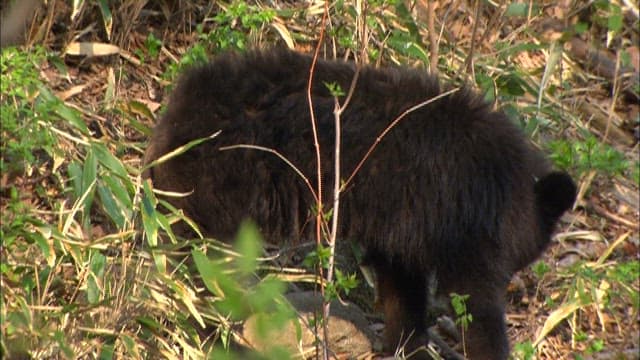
x=608 y=15
x=589 y=154
x=105 y=13
x=594 y=287
x=523 y=351
x=235 y=24
x=152 y=46
x=459 y=304
x=343 y=283
x=593 y=346
x=35 y=122
x=522 y=9
x=335 y=89
x=238 y=293
x=26 y=112
x=463 y=318
x=103 y=173
x=231 y=30
x=540 y=268
x=195 y=55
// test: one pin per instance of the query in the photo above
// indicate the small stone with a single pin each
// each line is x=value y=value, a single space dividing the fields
x=349 y=331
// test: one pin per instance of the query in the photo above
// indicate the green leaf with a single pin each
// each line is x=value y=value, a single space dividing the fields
x=108 y=160
x=221 y=353
x=42 y=239
x=334 y=88
x=89 y=171
x=581 y=27
x=416 y=51
x=507 y=50
x=110 y=206
x=164 y=224
x=208 y=271
x=95 y=279
x=615 y=18
x=149 y=323
x=154 y=220
x=179 y=150
x=75 y=173
x=345 y=283
x=521 y=10
x=249 y=246
x=140 y=108
x=487 y=85
x=67 y=351
x=106 y=352
x=89 y=176
x=459 y=303
x=512 y=85
x=72 y=116
x=555 y=54
x=233 y=301
x=131 y=346
x=149 y=215
x=107 y=19
x=264 y=294
x=187 y=296
x=121 y=194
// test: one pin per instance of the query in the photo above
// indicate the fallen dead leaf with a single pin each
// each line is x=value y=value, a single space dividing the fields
x=91 y=49
x=75 y=90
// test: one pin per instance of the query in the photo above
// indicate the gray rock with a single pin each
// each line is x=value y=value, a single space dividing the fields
x=349 y=333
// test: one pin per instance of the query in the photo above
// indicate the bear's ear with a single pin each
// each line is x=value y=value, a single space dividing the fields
x=555 y=193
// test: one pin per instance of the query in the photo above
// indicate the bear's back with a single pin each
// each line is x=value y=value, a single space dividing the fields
x=441 y=183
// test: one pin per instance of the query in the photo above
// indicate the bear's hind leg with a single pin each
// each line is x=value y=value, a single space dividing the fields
x=402 y=296
x=486 y=336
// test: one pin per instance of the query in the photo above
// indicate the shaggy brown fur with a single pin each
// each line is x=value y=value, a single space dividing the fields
x=454 y=192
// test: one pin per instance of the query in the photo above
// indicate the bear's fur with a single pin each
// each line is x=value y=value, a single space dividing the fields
x=455 y=192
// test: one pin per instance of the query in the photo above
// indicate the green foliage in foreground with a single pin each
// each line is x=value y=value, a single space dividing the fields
x=586 y=155
x=68 y=291
x=26 y=110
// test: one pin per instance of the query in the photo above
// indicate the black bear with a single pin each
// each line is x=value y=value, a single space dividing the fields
x=454 y=192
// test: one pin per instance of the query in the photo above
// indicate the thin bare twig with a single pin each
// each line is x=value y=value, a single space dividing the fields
x=320 y=210
x=326 y=303
x=393 y=124
x=474 y=33
x=337 y=113
x=362 y=38
x=179 y=150
x=276 y=153
x=352 y=89
x=433 y=43
x=614 y=98
x=314 y=128
x=333 y=234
